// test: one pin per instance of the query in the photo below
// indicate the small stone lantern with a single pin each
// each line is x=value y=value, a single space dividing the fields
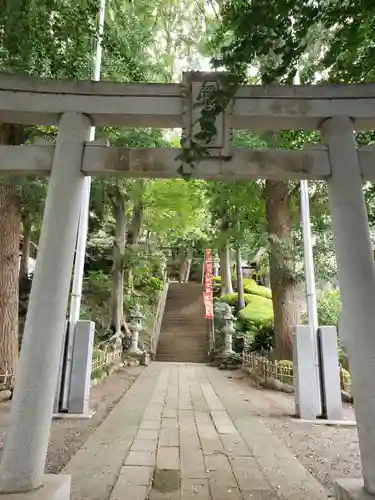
x=163 y=266
x=229 y=331
x=216 y=266
x=136 y=327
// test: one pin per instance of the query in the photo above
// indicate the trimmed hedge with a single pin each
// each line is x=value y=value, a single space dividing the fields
x=232 y=298
x=251 y=287
x=258 y=310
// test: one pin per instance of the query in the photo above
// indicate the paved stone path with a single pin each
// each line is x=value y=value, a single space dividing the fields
x=182 y=432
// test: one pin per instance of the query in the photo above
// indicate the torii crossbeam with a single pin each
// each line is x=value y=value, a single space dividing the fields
x=74 y=106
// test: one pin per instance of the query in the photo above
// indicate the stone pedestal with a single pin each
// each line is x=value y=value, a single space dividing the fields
x=304 y=372
x=80 y=379
x=58 y=395
x=351 y=489
x=55 y=487
x=330 y=371
x=134 y=349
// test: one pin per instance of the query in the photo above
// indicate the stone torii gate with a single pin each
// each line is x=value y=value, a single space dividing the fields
x=74 y=107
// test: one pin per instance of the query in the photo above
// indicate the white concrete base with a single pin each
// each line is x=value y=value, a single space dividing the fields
x=322 y=421
x=70 y=416
x=55 y=487
x=305 y=383
x=351 y=489
x=330 y=370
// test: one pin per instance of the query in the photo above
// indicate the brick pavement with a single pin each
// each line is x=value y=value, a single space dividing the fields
x=182 y=432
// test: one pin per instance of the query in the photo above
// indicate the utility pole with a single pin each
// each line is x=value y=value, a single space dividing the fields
x=312 y=310
x=79 y=264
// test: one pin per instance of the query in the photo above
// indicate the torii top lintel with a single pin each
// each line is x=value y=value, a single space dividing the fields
x=32 y=100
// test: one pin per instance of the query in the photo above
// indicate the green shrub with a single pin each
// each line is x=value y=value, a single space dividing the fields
x=256 y=323
x=216 y=286
x=229 y=298
x=98 y=374
x=329 y=307
x=97 y=353
x=258 y=310
x=286 y=364
x=251 y=287
x=232 y=299
x=345 y=376
x=263 y=338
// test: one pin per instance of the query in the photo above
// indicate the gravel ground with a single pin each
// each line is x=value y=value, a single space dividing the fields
x=327 y=452
x=68 y=435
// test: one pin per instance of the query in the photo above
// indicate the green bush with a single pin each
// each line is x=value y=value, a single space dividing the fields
x=286 y=364
x=329 y=307
x=97 y=353
x=258 y=310
x=216 y=286
x=345 y=375
x=262 y=338
x=256 y=322
x=98 y=374
x=151 y=287
x=232 y=299
x=251 y=287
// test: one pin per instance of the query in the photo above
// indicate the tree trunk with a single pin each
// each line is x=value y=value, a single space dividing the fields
x=26 y=246
x=225 y=271
x=132 y=239
x=240 y=290
x=117 y=291
x=10 y=220
x=283 y=283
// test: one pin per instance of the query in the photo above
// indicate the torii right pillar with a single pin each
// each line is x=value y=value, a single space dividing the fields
x=356 y=273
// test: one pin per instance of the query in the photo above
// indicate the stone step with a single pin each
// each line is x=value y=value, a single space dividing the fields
x=177 y=348
x=182 y=342
x=171 y=337
x=178 y=327
x=183 y=354
x=183 y=336
x=181 y=359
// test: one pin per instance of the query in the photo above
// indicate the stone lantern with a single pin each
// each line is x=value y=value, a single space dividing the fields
x=216 y=265
x=163 y=266
x=136 y=327
x=229 y=331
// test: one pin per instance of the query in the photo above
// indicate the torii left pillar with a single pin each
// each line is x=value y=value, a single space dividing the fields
x=25 y=450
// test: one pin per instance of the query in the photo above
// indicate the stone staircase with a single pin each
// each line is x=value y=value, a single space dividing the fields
x=184 y=334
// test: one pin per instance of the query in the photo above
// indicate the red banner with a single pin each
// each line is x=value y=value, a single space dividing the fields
x=207 y=294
